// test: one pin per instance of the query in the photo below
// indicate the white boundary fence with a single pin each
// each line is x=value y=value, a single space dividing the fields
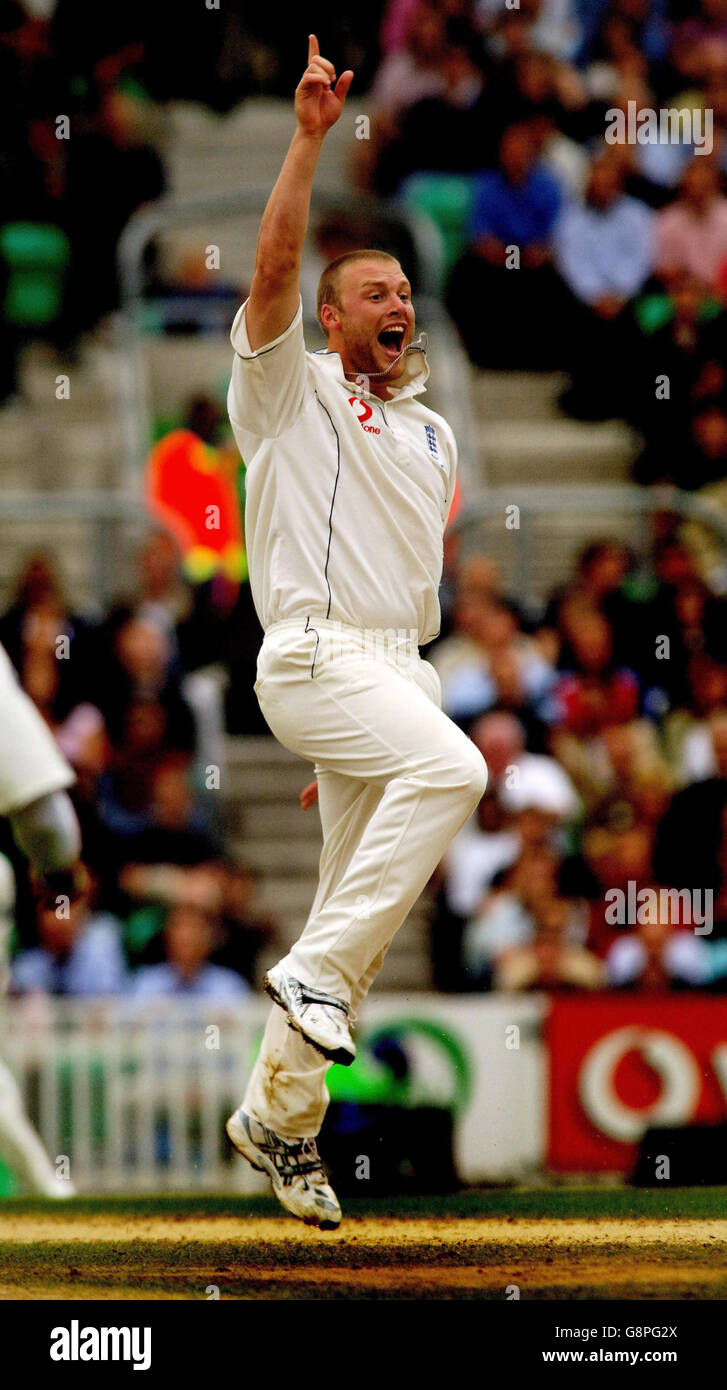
x=137 y=1100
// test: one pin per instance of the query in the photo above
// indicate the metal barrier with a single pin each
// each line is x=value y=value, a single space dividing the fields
x=549 y=500
x=105 y=513
x=135 y=1099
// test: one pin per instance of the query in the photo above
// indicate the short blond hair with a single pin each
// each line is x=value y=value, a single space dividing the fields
x=330 y=281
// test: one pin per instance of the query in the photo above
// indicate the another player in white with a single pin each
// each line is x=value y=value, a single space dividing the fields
x=33 y=780
x=349 y=483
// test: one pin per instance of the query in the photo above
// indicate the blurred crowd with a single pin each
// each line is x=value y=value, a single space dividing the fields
x=605 y=260
x=603 y=721
x=84 y=90
x=137 y=707
x=562 y=251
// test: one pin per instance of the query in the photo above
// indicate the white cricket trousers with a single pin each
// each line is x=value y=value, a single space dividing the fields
x=396 y=781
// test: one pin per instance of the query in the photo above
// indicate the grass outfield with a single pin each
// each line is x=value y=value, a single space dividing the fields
x=549 y=1243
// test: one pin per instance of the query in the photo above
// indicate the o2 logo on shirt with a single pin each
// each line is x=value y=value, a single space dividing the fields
x=363 y=413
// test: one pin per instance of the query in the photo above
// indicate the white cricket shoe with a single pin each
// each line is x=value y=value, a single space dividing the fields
x=294 y=1168
x=319 y=1018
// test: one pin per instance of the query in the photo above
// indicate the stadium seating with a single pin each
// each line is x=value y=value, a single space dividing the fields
x=447 y=200
x=36 y=255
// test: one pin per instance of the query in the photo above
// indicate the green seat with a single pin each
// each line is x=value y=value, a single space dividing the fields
x=36 y=255
x=448 y=200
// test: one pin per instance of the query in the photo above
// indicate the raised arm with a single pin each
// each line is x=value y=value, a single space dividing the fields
x=274 y=293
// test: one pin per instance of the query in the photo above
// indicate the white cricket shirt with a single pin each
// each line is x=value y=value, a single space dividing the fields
x=346 y=495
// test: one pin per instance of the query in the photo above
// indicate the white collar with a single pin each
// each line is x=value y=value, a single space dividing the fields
x=412 y=383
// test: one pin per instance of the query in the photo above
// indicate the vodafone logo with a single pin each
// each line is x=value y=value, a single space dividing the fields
x=621 y=1064
x=637 y=1076
x=363 y=413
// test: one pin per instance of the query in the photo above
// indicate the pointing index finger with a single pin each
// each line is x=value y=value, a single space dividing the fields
x=313 y=49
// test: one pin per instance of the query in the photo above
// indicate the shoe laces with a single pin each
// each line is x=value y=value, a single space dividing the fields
x=305 y=997
x=293 y=1158
x=302 y=1160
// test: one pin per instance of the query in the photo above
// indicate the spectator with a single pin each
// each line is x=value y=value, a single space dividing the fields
x=484 y=847
x=78 y=953
x=413 y=72
x=244 y=930
x=657 y=956
x=476 y=585
x=506 y=917
x=602 y=568
x=691 y=233
x=220 y=889
x=522 y=779
x=163 y=596
x=496 y=665
x=687 y=852
x=603 y=251
x=176 y=829
x=141 y=670
x=427 y=121
x=595 y=692
x=684 y=350
x=706 y=451
x=53 y=649
x=617 y=850
x=551 y=962
x=83 y=739
x=528 y=801
x=507 y=278
x=533 y=87
x=616 y=55
x=432 y=67
x=189 y=940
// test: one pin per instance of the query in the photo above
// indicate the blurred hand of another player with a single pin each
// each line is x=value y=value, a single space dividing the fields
x=309 y=796
x=319 y=98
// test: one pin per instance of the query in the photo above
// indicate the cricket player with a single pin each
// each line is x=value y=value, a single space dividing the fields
x=33 y=780
x=349 y=482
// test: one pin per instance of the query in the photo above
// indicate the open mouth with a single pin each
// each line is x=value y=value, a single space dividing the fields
x=392 y=339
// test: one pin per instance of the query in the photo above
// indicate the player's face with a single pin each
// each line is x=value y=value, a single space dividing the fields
x=376 y=318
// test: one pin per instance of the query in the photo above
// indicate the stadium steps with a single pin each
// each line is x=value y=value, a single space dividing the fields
x=526 y=441
x=270 y=832
x=205 y=150
x=517 y=395
x=555 y=451
x=180 y=367
x=207 y=153
x=554 y=542
x=525 y=438
x=49 y=445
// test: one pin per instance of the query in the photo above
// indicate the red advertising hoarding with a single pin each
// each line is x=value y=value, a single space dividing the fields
x=620 y=1063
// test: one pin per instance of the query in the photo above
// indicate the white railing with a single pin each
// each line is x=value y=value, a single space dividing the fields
x=136 y=1100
